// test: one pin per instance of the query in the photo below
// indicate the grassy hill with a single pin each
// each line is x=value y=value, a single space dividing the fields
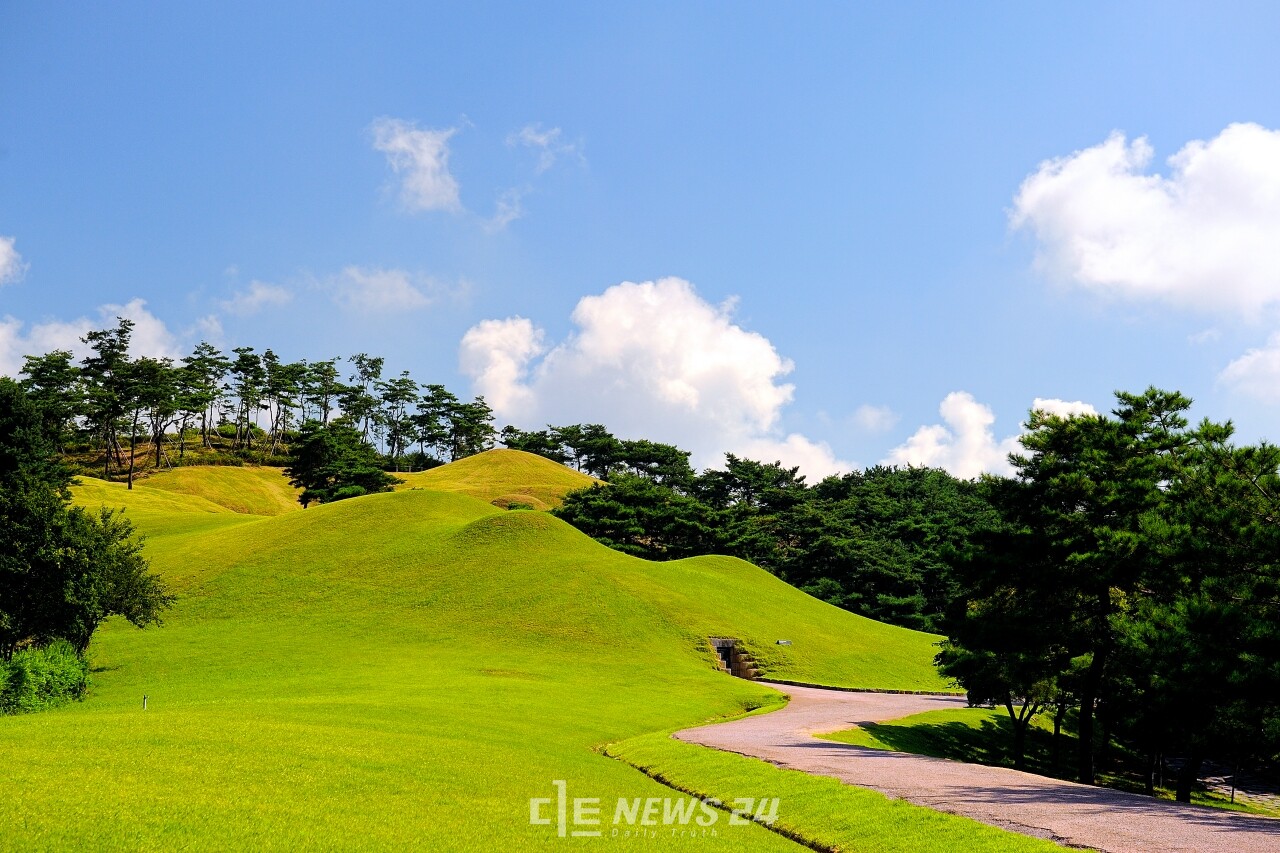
x=403 y=669
x=503 y=477
x=252 y=490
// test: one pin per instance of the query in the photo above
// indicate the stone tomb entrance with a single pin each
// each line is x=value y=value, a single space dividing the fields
x=733 y=658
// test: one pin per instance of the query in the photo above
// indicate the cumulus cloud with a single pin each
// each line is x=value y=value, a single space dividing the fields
x=549 y=143
x=150 y=335
x=257 y=296
x=649 y=359
x=1257 y=372
x=965 y=443
x=1204 y=236
x=12 y=267
x=421 y=159
x=870 y=418
x=496 y=354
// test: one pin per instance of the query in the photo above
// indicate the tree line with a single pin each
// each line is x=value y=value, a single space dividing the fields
x=250 y=403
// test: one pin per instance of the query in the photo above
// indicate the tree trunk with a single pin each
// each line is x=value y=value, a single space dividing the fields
x=1059 y=713
x=1149 y=783
x=133 y=441
x=1088 y=697
x=1187 y=775
x=1021 y=722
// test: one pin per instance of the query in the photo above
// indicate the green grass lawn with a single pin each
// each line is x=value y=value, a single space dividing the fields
x=409 y=669
x=502 y=477
x=251 y=489
x=984 y=736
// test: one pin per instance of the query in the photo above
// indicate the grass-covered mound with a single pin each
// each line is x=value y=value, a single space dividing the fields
x=503 y=478
x=252 y=490
x=400 y=670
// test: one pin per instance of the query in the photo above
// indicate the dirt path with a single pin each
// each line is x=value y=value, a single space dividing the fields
x=1071 y=814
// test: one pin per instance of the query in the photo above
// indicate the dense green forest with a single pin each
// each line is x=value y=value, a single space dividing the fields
x=1125 y=579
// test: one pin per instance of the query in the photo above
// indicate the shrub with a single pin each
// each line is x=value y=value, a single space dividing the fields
x=38 y=679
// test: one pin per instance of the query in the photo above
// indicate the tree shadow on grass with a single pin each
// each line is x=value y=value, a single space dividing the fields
x=989 y=741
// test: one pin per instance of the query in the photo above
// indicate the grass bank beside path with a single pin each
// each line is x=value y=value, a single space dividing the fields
x=818 y=811
x=984 y=736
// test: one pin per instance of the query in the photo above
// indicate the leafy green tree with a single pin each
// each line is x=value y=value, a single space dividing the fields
x=333 y=462
x=637 y=516
x=597 y=450
x=664 y=464
x=54 y=385
x=432 y=422
x=321 y=390
x=62 y=569
x=545 y=443
x=470 y=428
x=156 y=384
x=1079 y=543
x=148 y=390
x=203 y=373
x=248 y=378
x=878 y=542
x=395 y=397
x=1008 y=628
x=106 y=380
x=359 y=403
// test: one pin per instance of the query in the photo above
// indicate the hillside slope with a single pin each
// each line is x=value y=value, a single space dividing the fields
x=398 y=668
x=503 y=477
x=251 y=489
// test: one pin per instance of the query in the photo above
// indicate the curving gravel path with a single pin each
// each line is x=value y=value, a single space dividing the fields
x=1068 y=813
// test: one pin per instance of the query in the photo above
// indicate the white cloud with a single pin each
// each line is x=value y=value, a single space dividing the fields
x=965 y=444
x=375 y=290
x=255 y=297
x=547 y=142
x=815 y=459
x=1063 y=408
x=12 y=267
x=649 y=360
x=207 y=328
x=1257 y=372
x=496 y=355
x=150 y=335
x=1205 y=236
x=508 y=208
x=421 y=159
x=874 y=418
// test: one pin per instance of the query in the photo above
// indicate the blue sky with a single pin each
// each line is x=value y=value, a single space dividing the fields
x=819 y=207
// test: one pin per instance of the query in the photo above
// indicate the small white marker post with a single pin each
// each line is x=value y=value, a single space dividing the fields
x=144 y=701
